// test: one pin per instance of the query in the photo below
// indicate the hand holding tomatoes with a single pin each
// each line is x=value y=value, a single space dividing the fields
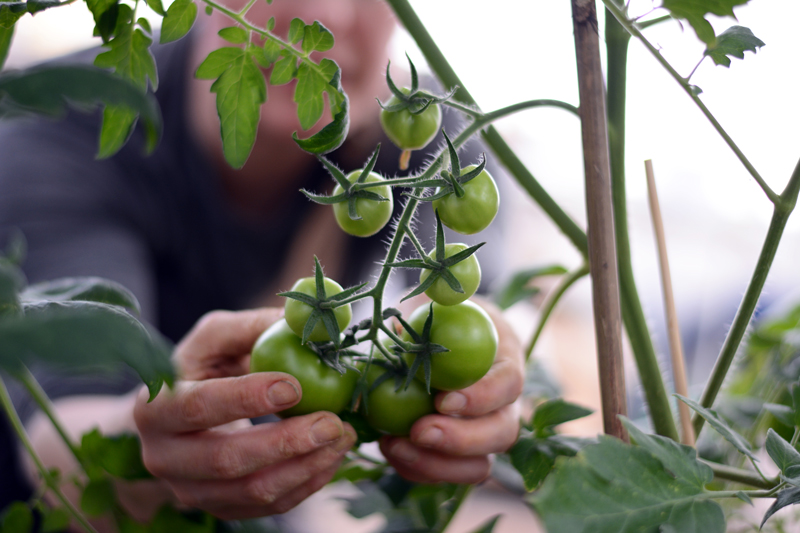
x=198 y=438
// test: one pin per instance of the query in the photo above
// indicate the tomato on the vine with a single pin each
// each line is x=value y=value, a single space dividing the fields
x=474 y=211
x=409 y=131
x=374 y=215
x=278 y=349
x=394 y=412
x=468 y=332
x=467 y=272
x=297 y=313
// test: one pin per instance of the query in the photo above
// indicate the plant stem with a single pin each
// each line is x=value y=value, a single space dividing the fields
x=739 y=475
x=552 y=300
x=49 y=480
x=600 y=211
x=783 y=208
x=40 y=397
x=617 y=40
x=684 y=83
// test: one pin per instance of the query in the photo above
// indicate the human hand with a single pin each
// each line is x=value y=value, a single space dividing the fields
x=198 y=438
x=485 y=420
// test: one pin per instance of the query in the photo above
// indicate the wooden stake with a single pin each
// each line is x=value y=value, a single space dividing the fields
x=602 y=243
x=676 y=350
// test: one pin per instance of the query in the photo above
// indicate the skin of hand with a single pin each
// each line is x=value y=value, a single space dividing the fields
x=198 y=439
x=483 y=419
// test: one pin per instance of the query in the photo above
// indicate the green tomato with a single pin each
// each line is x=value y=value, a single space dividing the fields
x=297 y=313
x=409 y=131
x=395 y=412
x=474 y=211
x=467 y=272
x=278 y=349
x=374 y=215
x=468 y=332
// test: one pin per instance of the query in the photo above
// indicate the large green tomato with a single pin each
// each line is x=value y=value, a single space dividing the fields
x=468 y=332
x=278 y=349
x=395 y=412
x=467 y=272
x=297 y=313
x=474 y=211
x=407 y=130
x=374 y=215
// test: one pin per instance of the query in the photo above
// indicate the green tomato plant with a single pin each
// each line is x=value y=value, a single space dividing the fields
x=657 y=483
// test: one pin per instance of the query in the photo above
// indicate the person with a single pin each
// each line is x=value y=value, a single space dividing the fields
x=190 y=236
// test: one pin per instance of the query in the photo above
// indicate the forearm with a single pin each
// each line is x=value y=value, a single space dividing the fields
x=78 y=415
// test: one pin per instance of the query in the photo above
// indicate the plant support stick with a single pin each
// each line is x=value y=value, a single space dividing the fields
x=676 y=350
x=602 y=245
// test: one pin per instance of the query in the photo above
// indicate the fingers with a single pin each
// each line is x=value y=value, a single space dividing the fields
x=495 y=432
x=429 y=466
x=217 y=344
x=193 y=406
x=216 y=455
x=274 y=489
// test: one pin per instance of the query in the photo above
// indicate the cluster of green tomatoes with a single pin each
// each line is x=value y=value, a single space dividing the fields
x=445 y=345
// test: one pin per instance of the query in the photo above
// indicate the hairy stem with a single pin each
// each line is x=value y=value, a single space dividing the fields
x=49 y=480
x=730 y=473
x=617 y=40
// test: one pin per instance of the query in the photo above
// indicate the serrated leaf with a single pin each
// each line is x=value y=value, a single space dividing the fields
x=517 y=288
x=488 y=525
x=145 y=25
x=240 y=90
x=272 y=50
x=218 y=62
x=722 y=427
x=82 y=289
x=47 y=90
x=555 y=412
x=99 y=7
x=233 y=34
x=86 y=335
x=695 y=12
x=535 y=457
x=317 y=37
x=17 y=518
x=129 y=55
x=615 y=487
x=284 y=70
x=178 y=21
x=118 y=124
x=331 y=136
x=781 y=452
x=119 y=455
x=98 y=497
x=734 y=42
x=296 y=30
x=784 y=498
x=308 y=95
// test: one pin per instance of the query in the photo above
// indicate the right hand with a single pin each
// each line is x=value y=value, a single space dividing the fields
x=197 y=437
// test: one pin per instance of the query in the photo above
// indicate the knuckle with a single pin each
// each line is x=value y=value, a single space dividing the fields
x=193 y=407
x=260 y=493
x=225 y=461
x=291 y=444
x=247 y=402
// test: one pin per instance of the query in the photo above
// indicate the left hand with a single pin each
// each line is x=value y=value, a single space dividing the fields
x=483 y=419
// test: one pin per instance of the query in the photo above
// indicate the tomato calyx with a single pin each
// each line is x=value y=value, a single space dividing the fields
x=350 y=191
x=422 y=349
x=452 y=181
x=322 y=305
x=439 y=266
x=412 y=99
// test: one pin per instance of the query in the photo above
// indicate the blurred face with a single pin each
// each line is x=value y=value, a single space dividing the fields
x=361 y=29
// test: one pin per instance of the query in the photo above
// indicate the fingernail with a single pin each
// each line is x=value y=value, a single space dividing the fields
x=326 y=430
x=429 y=436
x=404 y=451
x=453 y=403
x=282 y=393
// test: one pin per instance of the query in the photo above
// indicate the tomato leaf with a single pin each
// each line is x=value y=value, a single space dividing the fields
x=240 y=90
x=233 y=34
x=118 y=124
x=782 y=453
x=695 y=12
x=218 y=62
x=83 y=289
x=783 y=413
x=786 y=497
x=296 y=30
x=157 y=6
x=55 y=520
x=17 y=518
x=98 y=497
x=169 y=520
x=119 y=455
x=85 y=335
x=488 y=526
x=308 y=95
x=284 y=70
x=613 y=486
x=317 y=37
x=734 y=42
x=331 y=136
x=556 y=412
x=178 y=21
x=6 y=35
x=129 y=54
x=517 y=288
x=722 y=427
x=534 y=457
